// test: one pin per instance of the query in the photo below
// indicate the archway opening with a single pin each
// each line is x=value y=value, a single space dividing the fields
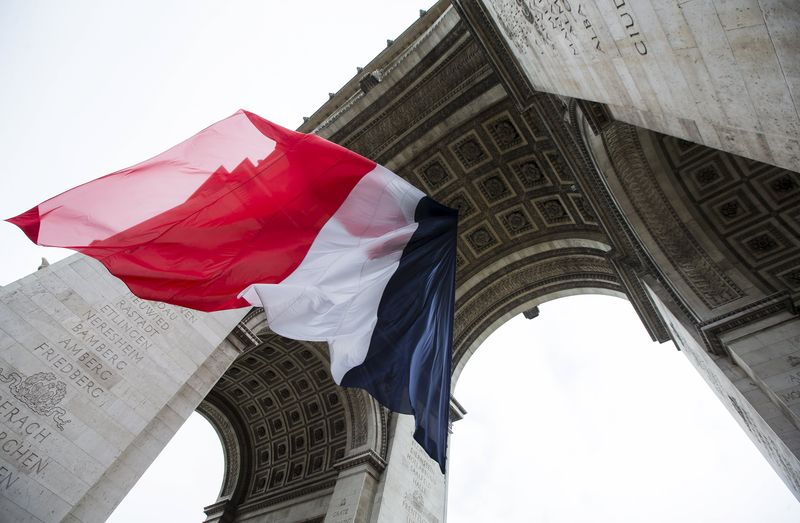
x=577 y=416
x=185 y=477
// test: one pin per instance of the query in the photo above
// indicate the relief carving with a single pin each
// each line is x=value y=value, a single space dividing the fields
x=510 y=16
x=358 y=416
x=40 y=392
x=457 y=73
x=692 y=263
x=539 y=25
x=230 y=443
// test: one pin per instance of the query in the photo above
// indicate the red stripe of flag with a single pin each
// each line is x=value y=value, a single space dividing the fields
x=251 y=225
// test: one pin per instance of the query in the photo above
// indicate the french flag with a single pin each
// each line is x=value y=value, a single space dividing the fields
x=333 y=246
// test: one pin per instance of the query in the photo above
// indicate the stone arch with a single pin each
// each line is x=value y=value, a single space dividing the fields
x=704 y=245
x=718 y=226
x=539 y=299
x=519 y=281
x=230 y=431
x=286 y=426
x=529 y=230
x=366 y=423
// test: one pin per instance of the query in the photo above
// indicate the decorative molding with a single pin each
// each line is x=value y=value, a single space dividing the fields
x=605 y=207
x=457 y=410
x=230 y=447
x=533 y=181
x=453 y=76
x=402 y=48
x=520 y=282
x=357 y=400
x=563 y=124
x=317 y=488
x=497 y=51
x=293 y=416
x=368 y=457
x=597 y=115
x=712 y=329
x=693 y=264
x=218 y=511
x=751 y=209
x=243 y=338
x=531 y=313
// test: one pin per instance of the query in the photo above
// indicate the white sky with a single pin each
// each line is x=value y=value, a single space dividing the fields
x=603 y=427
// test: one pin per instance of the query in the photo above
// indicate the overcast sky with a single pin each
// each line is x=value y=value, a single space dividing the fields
x=573 y=416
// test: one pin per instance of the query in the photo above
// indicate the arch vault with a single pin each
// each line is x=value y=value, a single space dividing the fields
x=558 y=193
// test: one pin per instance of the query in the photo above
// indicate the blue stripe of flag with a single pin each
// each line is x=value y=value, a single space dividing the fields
x=407 y=367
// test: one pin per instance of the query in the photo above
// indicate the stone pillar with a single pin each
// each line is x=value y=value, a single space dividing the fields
x=695 y=70
x=355 y=489
x=412 y=489
x=754 y=379
x=768 y=352
x=93 y=384
x=219 y=511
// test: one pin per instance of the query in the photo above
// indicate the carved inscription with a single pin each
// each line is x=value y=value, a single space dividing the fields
x=78 y=366
x=562 y=26
x=105 y=342
x=108 y=330
x=21 y=427
x=556 y=21
x=85 y=356
x=131 y=324
x=345 y=509
x=762 y=436
x=547 y=25
x=794 y=381
x=792 y=394
x=631 y=28
x=423 y=473
x=589 y=28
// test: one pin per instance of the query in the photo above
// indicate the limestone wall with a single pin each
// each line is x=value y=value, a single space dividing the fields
x=724 y=73
x=93 y=383
x=767 y=425
x=412 y=489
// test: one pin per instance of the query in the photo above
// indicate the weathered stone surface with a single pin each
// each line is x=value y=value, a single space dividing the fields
x=723 y=74
x=412 y=487
x=93 y=383
x=746 y=401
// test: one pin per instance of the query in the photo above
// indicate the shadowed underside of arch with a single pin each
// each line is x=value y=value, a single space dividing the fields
x=286 y=426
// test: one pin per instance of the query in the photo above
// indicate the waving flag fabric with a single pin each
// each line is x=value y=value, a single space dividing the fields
x=335 y=248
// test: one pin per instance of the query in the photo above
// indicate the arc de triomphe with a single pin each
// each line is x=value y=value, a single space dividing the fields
x=642 y=149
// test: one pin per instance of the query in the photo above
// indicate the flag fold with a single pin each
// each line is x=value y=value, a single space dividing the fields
x=334 y=247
